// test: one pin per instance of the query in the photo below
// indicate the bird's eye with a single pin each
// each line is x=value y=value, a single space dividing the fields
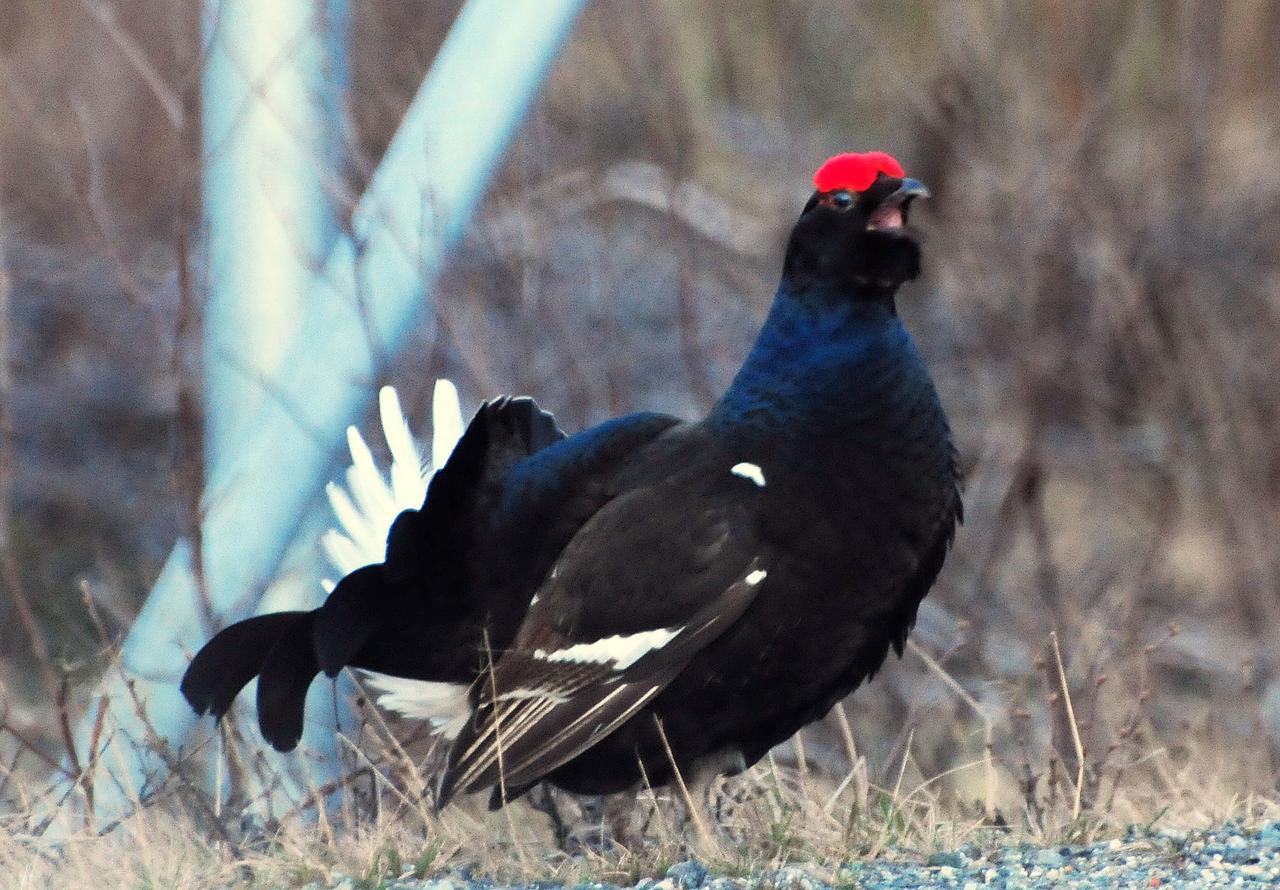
x=841 y=200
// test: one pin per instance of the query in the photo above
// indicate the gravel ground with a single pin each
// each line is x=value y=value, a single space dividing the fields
x=1227 y=856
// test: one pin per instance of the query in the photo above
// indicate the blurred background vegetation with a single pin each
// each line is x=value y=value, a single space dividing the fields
x=1100 y=308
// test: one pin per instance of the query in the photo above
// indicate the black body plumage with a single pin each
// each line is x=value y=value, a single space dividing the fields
x=710 y=586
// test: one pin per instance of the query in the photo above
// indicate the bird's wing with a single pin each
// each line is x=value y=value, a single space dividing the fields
x=930 y=563
x=636 y=594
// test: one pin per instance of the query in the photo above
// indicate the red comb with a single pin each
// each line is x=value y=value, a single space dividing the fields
x=854 y=171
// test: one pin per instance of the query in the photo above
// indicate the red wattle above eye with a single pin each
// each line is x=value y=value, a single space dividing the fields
x=855 y=171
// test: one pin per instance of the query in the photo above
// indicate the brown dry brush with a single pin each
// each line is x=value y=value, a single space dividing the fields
x=1099 y=309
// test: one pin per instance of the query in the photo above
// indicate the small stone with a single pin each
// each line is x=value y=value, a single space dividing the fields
x=1047 y=858
x=439 y=884
x=688 y=875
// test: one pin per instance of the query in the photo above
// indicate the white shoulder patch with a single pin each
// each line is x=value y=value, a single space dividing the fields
x=620 y=651
x=749 y=471
x=756 y=577
x=444 y=704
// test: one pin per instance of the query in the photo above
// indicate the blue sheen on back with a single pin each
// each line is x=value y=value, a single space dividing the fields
x=544 y=470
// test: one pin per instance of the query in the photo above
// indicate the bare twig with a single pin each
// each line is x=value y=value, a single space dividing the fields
x=190 y=469
x=35 y=749
x=895 y=796
x=988 y=728
x=846 y=733
x=1075 y=730
x=653 y=801
x=94 y=750
x=704 y=836
x=55 y=688
x=165 y=95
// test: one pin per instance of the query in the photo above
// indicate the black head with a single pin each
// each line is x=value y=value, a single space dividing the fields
x=853 y=232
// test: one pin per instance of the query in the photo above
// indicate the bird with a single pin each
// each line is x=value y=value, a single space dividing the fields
x=656 y=596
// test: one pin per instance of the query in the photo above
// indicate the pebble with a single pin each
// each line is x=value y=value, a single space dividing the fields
x=1047 y=858
x=688 y=875
x=1226 y=856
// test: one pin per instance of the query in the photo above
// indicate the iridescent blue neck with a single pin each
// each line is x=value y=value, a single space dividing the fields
x=821 y=356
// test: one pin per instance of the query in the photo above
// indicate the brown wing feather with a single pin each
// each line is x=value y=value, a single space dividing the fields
x=535 y=714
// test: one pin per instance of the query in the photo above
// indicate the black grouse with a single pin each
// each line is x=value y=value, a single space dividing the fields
x=651 y=589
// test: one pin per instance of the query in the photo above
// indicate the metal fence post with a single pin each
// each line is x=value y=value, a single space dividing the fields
x=358 y=308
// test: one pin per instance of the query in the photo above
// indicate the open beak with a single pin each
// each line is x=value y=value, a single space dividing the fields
x=890 y=214
x=910 y=188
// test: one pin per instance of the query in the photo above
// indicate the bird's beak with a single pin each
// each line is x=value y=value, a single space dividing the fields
x=891 y=215
x=911 y=188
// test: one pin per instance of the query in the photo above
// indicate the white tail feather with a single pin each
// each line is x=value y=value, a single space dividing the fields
x=408 y=481
x=446 y=422
x=365 y=510
x=342 y=551
x=446 y=705
x=366 y=535
x=368 y=487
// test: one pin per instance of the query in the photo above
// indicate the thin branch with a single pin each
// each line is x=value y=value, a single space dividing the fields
x=168 y=98
x=988 y=730
x=11 y=571
x=1075 y=730
x=704 y=835
x=31 y=746
x=894 y=797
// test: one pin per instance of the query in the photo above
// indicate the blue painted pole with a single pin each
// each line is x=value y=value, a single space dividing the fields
x=274 y=79
x=358 y=308
x=272 y=150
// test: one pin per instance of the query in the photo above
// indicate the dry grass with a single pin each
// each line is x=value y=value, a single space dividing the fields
x=378 y=825
x=1100 y=309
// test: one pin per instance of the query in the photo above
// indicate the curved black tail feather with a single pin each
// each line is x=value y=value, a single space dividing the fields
x=233 y=657
x=282 y=686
